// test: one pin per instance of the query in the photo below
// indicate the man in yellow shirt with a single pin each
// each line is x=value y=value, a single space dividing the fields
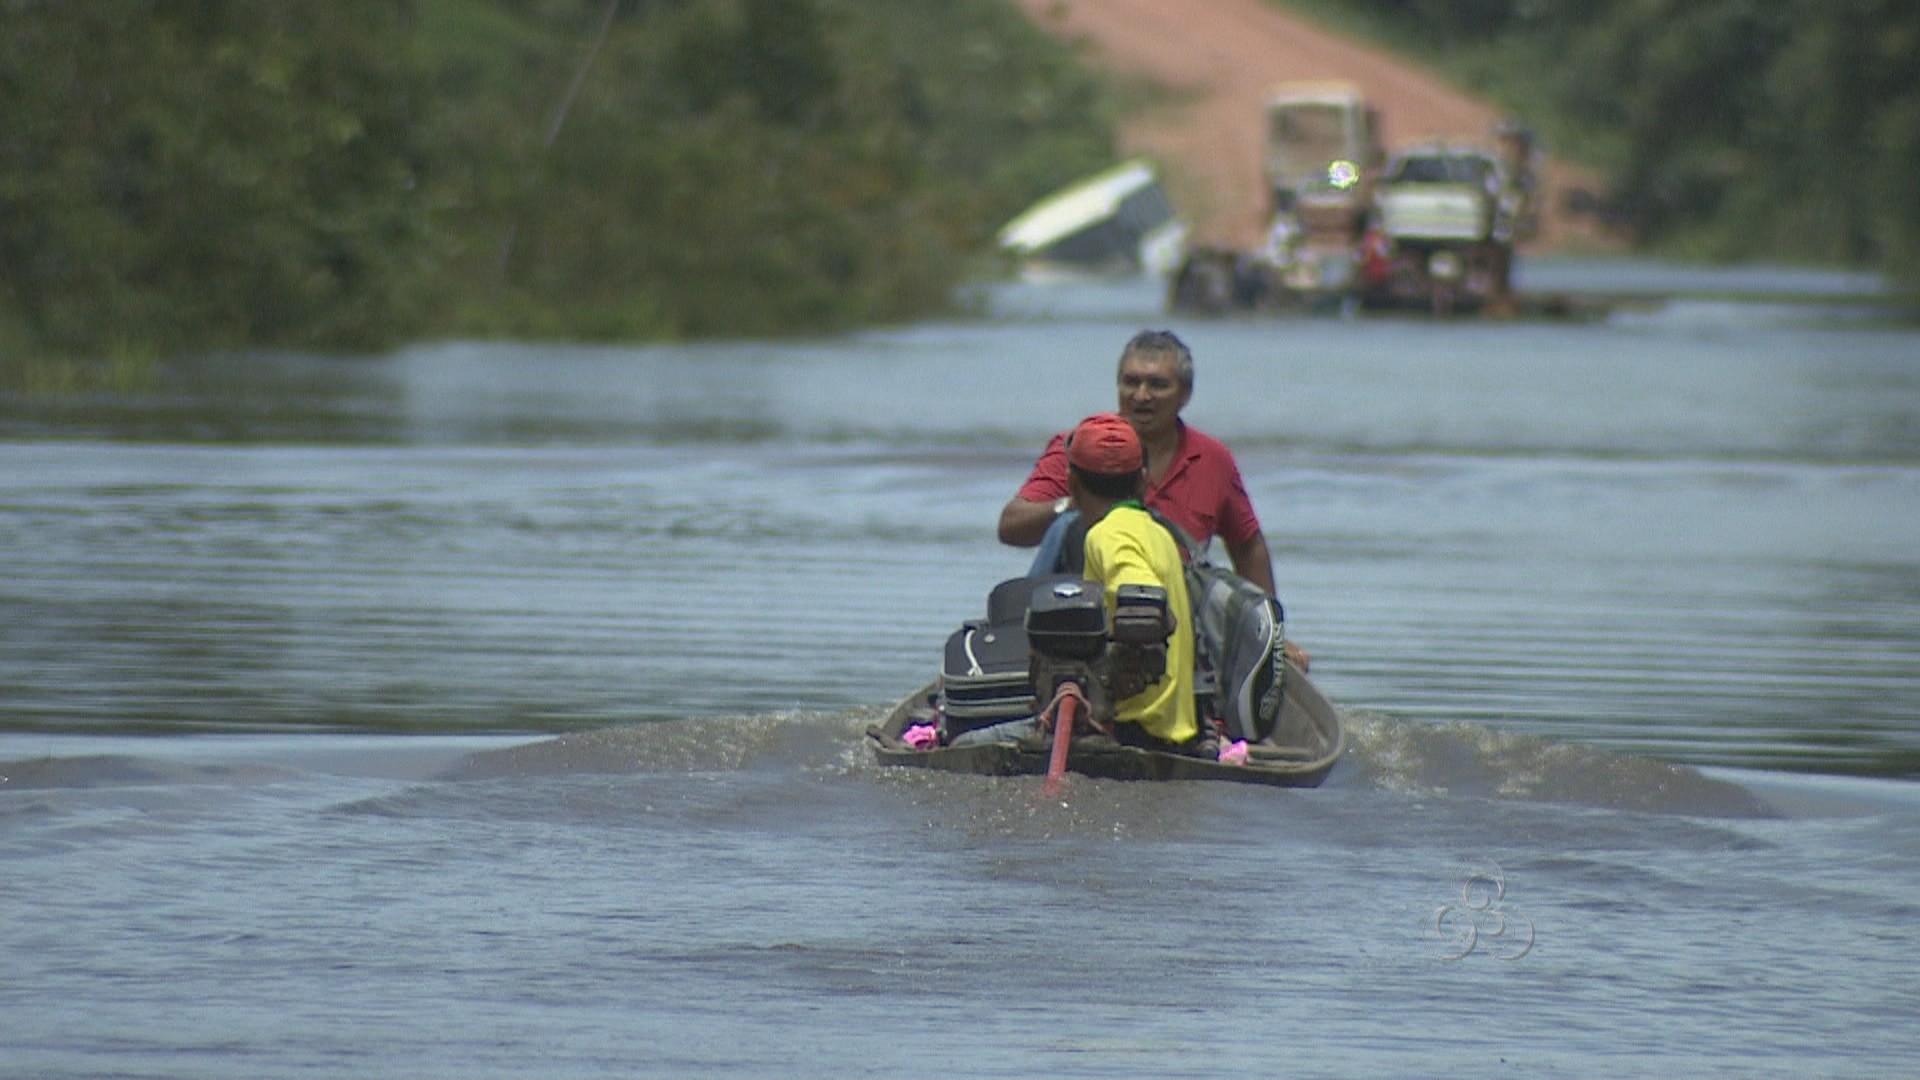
x=1126 y=546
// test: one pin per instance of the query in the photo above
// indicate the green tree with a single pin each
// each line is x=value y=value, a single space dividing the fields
x=206 y=175
x=229 y=174
x=758 y=166
x=1734 y=129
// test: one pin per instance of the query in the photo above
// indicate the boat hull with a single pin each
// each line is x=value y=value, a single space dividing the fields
x=1305 y=745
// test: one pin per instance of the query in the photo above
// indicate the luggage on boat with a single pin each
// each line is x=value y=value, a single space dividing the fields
x=983 y=679
x=986 y=677
x=1239 y=638
x=1240 y=634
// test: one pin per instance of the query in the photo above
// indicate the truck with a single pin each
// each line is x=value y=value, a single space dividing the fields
x=1433 y=226
x=1323 y=139
x=1443 y=230
x=1322 y=157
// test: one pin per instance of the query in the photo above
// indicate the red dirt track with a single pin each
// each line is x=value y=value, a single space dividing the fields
x=1218 y=59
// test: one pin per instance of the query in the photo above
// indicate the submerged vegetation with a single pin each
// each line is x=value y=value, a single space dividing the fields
x=231 y=174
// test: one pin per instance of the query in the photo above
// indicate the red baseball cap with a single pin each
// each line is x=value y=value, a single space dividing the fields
x=1105 y=445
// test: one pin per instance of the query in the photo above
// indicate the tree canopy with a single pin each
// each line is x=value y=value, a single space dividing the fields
x=225 y=174
x=343 y=175
x=1730 y=129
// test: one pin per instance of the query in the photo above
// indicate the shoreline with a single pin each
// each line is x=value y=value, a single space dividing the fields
x=1217 y=61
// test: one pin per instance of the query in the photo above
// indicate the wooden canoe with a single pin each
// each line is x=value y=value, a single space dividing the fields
x=1300 y=752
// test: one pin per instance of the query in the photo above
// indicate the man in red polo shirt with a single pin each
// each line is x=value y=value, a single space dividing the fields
x=1192 y=478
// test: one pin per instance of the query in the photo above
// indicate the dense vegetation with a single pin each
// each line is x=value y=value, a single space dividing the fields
x=236 y=173
x=233 y=173
x=1733 y=129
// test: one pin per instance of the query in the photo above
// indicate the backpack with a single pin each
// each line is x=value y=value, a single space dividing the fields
x=1239 y=634
x=984 y=673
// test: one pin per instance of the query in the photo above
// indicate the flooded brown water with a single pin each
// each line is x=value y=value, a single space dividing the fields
x=1686 y=532
x=495 y=711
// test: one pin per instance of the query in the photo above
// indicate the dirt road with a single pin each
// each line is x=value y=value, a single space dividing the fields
x=1219 y=58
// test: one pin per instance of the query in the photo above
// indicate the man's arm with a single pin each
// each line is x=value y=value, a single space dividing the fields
x=1026 y=517
x=1252 y=561
x=1023 y=521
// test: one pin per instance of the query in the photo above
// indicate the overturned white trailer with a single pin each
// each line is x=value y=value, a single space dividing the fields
x=1118 y=221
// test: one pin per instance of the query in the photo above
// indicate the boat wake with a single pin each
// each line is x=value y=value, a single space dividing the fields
x=1458 y=760
x=772 y=741
x=1475 y=761
x=1384 y=754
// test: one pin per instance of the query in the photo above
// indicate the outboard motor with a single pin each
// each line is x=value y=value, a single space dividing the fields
x=1137 y=651
x=1066 y=642
x=1069 y=640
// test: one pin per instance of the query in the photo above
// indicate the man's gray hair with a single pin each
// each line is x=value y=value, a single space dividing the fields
x=1161 y=343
